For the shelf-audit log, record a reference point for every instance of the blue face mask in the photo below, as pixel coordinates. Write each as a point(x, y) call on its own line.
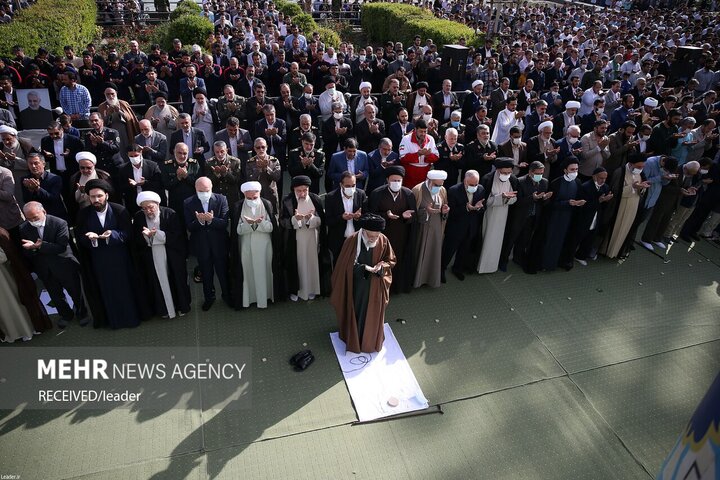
point(455, 124)
point(434, 189)
point(537, 178)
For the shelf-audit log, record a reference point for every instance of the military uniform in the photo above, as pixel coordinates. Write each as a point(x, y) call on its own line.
point(226, 184)
point(179, 189)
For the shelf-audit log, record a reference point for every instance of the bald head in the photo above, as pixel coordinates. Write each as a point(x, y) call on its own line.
point(203, 184)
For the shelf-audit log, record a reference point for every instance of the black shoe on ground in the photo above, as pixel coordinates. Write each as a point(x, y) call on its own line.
point(85, 321)
point(460, 276)
point(207, 304)
point(502, 267)
point(695, 237)
point(442, 277)
point(62, 323)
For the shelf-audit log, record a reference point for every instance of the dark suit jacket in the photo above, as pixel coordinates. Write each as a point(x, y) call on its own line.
point(376, 177)
point(487, 182)
point(108, 152)
point(461, 222)
point(331, 140)
point(315, 170)
point(243, 152)
point(334, 210)
point(526, 187)
point(71, 143)
point(49, 194)
point(157, 142)
point(367, 141)
point(279, 140)
point(396, 134)
point(338, 164)
point(438, 112)
point(198, 140)
point(211, 240)
point(54, 255)
point(153, 183)
point(473, 157)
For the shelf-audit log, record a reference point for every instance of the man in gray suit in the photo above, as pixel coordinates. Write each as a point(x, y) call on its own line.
point(46, 244)
point(155, 146)
point(238, 140)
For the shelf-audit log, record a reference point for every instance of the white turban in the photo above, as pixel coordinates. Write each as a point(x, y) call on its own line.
point(572, 104)
point(86, 156)
point(365, 85)
point(147, 197)
point(476, 83)
point(8, 129)
point(250, 187)
point(545, 124)
point(437, 175)
point(651, 102)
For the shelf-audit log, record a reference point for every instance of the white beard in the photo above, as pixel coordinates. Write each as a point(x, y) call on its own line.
point(114, 102)
point(84, 178)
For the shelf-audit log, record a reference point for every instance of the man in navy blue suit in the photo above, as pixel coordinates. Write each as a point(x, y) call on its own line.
point(463, 224)
point(349, 160)
point(44, 187)
point(206, 217)
point(378, 160)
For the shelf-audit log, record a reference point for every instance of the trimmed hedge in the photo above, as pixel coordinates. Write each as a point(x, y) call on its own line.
point(185, 7)
point(288, 8)
point(399, 22)
point(51, 24)
point(328, 36)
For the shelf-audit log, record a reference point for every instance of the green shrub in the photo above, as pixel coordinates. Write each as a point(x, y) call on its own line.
point(190, 29)
point(288, 8)
point(397, 22)
point(328, 36)
point(51, 24)
point(306, 23)
point(186, 7)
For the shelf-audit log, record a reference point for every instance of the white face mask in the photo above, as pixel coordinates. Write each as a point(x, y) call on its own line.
point(136, 160)
point(337, 115)
point(331, 91)
point(517, 141)
point(426, 117)
point(349, 191)
point(395, 186)
point(504, 177)
point(703, 172)
point(308, 96)
point(637, 171)
point(570, 176)
point(644, 138)
point(38, 223)
point(255, 202)
point(573, 140)
point(204, 196)
point(362, 58)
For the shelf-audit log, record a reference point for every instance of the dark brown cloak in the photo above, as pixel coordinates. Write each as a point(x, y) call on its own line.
point(342, 296)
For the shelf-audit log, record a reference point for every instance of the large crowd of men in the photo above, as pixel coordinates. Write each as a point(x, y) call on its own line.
point(258, 157)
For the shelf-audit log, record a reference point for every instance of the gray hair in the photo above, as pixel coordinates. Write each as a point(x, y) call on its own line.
point(472, 174)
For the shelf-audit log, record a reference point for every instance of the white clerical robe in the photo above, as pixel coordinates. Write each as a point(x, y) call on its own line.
point(157, 243)
point(493, 228)
point(306, 238)
point(256, 254)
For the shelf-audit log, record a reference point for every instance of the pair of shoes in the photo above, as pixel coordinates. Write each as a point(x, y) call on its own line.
point(293, 297)
point(62, 323)
point(311, 296)
point(181, 314)
point(581, 262)
point(207, 304)
point(460, 276)
point(197, 275)
point(85, 321)
point(27, 339)
point(502, 267)
point(647, 245)
point(443, 279)
point(660, 245)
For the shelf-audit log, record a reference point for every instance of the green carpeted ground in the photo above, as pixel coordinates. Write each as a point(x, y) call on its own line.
point(590, 373)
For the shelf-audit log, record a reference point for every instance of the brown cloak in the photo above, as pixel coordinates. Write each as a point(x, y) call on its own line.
point(342, 296)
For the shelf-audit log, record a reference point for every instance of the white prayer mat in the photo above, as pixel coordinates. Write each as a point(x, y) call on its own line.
point(379, 379)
